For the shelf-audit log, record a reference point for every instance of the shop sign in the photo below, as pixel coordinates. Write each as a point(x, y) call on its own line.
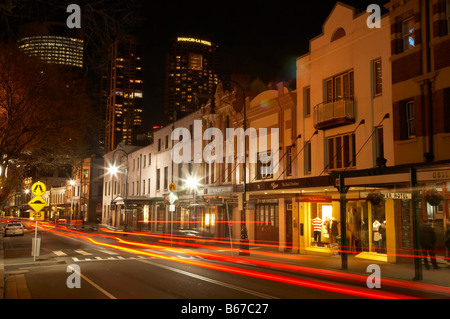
point(287, 184)
point(219, 190)
point(437, 175)
point(397, 195)
point(313, 198)
point(284, 184)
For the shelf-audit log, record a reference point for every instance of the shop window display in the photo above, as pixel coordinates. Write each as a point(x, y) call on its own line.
point(434, 199)
point(366, 227)
point(324, 226)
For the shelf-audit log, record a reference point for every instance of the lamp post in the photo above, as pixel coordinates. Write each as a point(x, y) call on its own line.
point(27, 192)
point(113, 170)
point(244, 247)
point(192, 183)
point(72, 184)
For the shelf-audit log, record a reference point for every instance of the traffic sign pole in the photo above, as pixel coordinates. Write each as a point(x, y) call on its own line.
point(172, 199)
point(35, 242)
point(37, 204)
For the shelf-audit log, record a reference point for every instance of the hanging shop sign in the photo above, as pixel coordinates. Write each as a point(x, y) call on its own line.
point(313, 198)
point(397, 195)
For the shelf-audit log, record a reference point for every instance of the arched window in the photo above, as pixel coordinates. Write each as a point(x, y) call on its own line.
point(339, 33)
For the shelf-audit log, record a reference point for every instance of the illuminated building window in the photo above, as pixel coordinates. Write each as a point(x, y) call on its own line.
point(408, 34)
point(196, 62)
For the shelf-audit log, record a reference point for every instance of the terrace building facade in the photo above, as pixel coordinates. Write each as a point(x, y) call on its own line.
point(337, 177)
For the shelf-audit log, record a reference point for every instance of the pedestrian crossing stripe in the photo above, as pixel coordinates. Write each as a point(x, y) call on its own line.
point(112, 258)
point(59, 253)
point(82, 252)
point(108, 252)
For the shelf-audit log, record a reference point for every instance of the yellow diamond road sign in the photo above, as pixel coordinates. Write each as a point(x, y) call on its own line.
point(37, 203)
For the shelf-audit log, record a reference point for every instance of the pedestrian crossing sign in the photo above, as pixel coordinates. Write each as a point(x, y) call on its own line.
point(38, 189)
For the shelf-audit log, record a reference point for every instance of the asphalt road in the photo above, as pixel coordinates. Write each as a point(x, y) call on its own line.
point(109, 269)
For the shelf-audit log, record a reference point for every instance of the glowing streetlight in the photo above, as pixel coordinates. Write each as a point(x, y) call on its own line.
point(72, 184)
point(192, 182)
point(113, 170)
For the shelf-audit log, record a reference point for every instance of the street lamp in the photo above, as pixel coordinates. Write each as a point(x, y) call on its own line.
point(72, 184)
point(244, 248)
point(192, 182)
point(113, 170)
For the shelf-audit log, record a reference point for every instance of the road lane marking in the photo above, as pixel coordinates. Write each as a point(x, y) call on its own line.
point(110, 296)
point(82, 252)
point(108, 251)
point(59, 253)
point(220, 283)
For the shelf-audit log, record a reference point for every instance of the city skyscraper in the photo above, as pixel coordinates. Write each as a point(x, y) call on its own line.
point(124, 93)
point(191, 75)
point(53, 43)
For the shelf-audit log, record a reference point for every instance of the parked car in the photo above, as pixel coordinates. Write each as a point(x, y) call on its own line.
point(13, 229)
point(61, 221)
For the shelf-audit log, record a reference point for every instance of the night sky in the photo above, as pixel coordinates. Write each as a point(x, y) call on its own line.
point(259, 38)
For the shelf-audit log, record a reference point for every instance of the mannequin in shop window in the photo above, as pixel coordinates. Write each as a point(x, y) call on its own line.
point(382, 231)
point(326, 230)
point(317, 228)
point(364, 236)
point(334, 230)
point(376, 235)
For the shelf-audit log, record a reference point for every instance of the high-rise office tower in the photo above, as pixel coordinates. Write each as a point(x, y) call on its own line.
point(191, 75)
point(53, 43)
point(124, 93)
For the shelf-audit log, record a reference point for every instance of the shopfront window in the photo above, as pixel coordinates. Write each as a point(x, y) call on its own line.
point(366, 227)
point(365, 232)
point(433, 209)
point(324, 226)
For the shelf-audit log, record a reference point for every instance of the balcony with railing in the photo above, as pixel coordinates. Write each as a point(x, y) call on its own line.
point(334, 114)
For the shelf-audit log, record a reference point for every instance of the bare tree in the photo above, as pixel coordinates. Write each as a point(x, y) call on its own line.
point(44, 116)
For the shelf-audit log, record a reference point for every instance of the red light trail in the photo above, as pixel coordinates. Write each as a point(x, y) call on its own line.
point(357, 292)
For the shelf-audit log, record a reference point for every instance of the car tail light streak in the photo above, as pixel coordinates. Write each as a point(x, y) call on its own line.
point(357, 292)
